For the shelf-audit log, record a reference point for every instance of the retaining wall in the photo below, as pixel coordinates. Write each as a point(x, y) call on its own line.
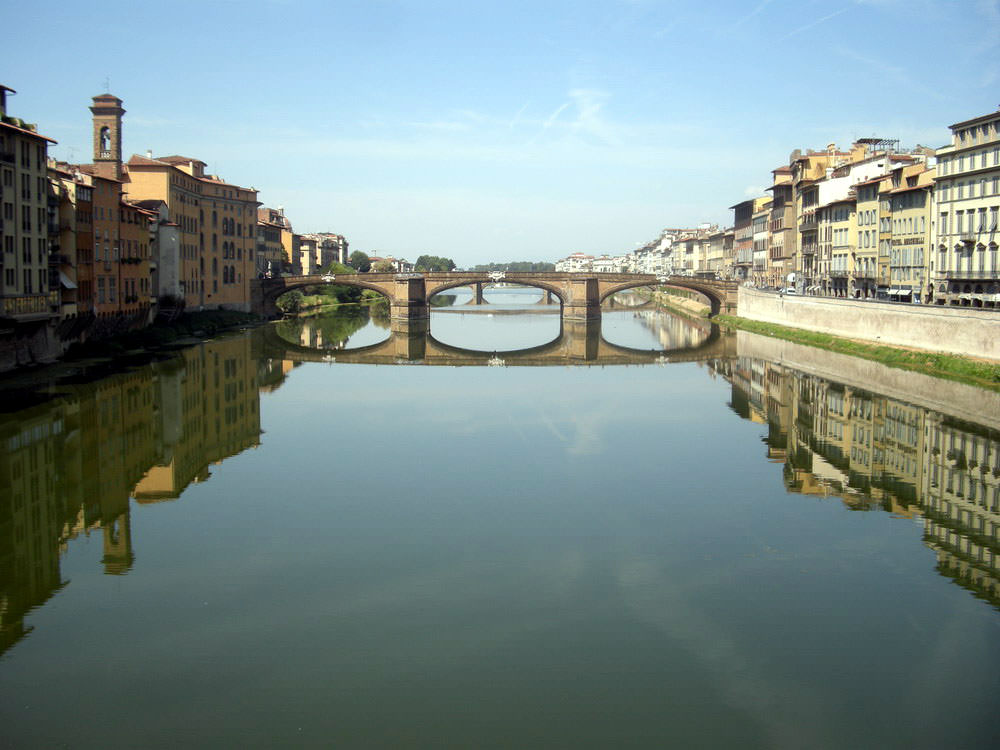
point(952, 330)
point(959, 400)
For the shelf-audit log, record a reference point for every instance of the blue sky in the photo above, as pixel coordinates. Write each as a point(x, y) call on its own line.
point(502, 130)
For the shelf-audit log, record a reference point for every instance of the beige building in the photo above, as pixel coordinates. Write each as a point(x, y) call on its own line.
point(967, 194)
point(761, 234)
point(782, 231)
point(26, 293)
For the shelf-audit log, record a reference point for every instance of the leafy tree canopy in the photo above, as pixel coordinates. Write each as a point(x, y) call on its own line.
point(334, 267)
point(517, 266)
point(433, 263)
point(383, 266)
point(359, 261)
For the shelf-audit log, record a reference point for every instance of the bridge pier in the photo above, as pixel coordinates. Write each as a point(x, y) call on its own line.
point(408, 303)
point(582, 301)
point(477, 294)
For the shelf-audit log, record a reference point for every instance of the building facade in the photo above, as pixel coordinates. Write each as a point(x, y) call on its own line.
point(967, 194)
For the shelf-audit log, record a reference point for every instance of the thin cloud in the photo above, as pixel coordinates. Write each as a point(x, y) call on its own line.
point(756, 11)
point(549, 122)
point(815, 23)
point(517, 117)
point(887, 70)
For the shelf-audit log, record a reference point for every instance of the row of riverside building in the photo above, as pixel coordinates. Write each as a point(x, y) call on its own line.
point(875, 221)
point(92, 249)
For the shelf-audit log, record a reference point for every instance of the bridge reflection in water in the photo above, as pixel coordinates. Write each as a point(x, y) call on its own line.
point(578, 342)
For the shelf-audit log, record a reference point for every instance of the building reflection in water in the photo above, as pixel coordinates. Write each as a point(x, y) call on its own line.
point(69, 467)
point(875, 452)
point(671, 331)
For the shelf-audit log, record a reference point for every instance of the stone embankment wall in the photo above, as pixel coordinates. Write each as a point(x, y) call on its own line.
point(959, 400)
point(952, 330)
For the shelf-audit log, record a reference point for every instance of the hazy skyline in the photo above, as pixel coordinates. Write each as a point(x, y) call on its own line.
point(503, 131)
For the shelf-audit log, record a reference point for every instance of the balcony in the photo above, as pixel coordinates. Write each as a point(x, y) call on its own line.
point(25, 307)
point(839, 273)
point(807, 221)
point(809, 249)
point(7, 157)
point(971, 275)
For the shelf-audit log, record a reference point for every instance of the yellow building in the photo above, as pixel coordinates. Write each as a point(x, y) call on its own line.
point(863, 281)
point(217, 223)
point(910, 222)
point(836, 232)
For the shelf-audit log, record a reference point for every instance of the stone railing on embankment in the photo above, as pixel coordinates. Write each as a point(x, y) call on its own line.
point(951, 330)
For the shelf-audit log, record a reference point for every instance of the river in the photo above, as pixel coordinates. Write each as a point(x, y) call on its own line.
point(503, 533)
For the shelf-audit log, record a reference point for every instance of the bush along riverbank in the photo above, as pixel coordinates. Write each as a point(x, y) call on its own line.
point(983, 373)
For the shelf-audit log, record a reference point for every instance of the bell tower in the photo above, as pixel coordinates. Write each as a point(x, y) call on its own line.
point(107, 111)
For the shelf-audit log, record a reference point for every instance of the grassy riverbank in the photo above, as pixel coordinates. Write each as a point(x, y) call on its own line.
point(978, 372)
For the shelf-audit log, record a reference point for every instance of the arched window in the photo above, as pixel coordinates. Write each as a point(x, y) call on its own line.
point(215, 266)
point(105, 138)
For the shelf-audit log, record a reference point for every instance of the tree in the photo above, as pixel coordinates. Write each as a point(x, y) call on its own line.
point(334, 267)
point(433, 263)
point(290, 302)
point(517, 265)
point(360, 262)
point(383, 266)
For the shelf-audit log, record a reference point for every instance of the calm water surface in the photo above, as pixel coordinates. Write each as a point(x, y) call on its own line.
point(765, 547)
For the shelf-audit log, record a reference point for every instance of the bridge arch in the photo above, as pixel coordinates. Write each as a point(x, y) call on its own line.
point(444, 286)
point(281, 286)
point(715, 300)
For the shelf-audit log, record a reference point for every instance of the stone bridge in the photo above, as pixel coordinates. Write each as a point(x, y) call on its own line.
point(578, 342)
point(580, 294)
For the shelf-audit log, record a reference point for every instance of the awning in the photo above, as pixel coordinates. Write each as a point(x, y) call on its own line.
point(66, 281)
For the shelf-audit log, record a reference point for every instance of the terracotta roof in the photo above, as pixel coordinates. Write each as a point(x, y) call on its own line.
point(24, 131)
point(137, 160)
point(180, 160)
